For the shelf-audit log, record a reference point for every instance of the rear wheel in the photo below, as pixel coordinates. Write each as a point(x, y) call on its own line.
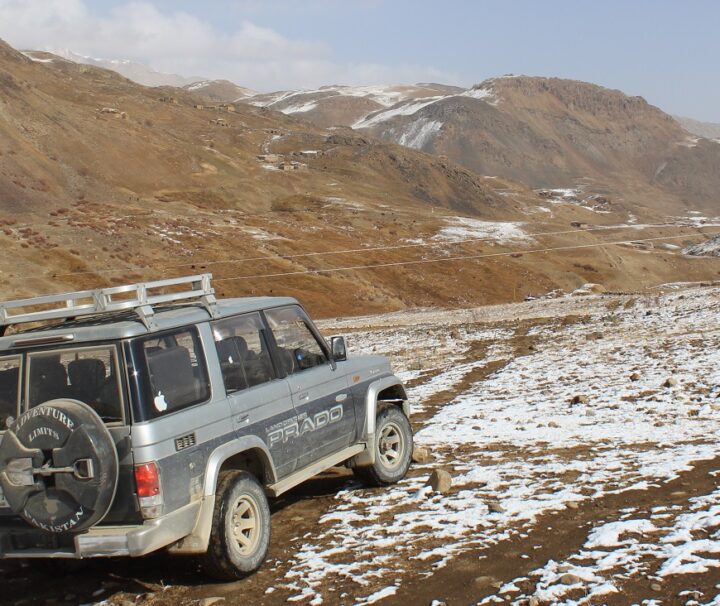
point(240, 533)
point(393, 448)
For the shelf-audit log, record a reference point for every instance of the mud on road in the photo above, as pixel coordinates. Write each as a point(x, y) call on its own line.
point(581, 472)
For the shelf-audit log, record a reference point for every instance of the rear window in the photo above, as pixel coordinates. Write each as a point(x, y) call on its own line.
point(89, 375)
point(177, 375)
point(9, 390)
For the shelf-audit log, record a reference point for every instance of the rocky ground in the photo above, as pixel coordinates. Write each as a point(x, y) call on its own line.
point(580, 434)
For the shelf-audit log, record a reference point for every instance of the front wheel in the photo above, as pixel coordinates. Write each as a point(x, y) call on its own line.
point(393, 448)
point(240, 529)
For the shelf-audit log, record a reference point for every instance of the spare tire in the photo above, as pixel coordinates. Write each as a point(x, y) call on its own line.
point(59, 466)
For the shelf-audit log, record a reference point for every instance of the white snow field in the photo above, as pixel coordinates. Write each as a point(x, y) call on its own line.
point(617, 393)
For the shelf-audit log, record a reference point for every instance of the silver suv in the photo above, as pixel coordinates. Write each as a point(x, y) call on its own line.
point(152, 416)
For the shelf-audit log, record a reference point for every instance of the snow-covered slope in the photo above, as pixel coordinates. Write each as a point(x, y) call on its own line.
point(709, 248)
point(347, 105)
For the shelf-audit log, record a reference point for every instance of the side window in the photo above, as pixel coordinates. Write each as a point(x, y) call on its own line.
point(176, 369)
point(243, 352)
point(88, 375)
point(298, 348)
point(9, 390)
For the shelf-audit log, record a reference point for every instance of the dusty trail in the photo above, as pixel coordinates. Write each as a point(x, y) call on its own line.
point(534, 474)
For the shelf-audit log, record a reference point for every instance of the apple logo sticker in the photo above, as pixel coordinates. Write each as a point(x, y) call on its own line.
point(160, 402)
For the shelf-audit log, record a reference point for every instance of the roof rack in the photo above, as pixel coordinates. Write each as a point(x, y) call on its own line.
point(140, 298)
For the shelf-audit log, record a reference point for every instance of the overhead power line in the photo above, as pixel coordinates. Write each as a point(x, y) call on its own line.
point(367, 249)
point(448, 259)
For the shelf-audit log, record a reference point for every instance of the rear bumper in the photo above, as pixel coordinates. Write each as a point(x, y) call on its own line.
point(102, 541)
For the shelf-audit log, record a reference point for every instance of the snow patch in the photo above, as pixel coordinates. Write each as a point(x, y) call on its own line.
point(420, 133)
point(299, 109)
point(403, 109)
point(464, 228)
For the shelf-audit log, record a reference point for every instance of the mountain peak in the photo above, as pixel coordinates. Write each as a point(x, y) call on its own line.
point(7, 52)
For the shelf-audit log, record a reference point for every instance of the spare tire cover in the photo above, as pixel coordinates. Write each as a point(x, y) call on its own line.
point(59, 466)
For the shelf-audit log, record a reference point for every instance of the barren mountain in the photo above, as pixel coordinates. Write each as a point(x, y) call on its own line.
point(220, 90)
point(104, 181)
point(708, 130)
point(549, 132)
point(137, 72)
point(345, 105)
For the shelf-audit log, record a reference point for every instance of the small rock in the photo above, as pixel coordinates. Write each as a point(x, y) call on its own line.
point(553, 424)
point(210, 601)
point(440, 481)
point(656, 587)
point(570, 579)
point(495, 507)
point(571, 505)
point(578, 399)
point(485, 581)
point(670, 382)
point(421, 456)
point(635, 376)
point(533, 601)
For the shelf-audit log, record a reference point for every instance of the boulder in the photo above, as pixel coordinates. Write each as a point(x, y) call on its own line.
point(421, 456)
point(440, 481)
point(495, 507)
point(570, 579)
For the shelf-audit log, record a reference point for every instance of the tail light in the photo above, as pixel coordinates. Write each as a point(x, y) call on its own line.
point(147, 482)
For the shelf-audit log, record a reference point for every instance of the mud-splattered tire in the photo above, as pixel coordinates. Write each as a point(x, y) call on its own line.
point(393, 449)
point(240, 533)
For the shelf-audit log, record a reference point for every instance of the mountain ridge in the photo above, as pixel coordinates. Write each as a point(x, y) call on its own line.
point(104, 181)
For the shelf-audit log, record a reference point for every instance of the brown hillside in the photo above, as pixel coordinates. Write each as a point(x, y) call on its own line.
point(550, 132)
point(103, 181)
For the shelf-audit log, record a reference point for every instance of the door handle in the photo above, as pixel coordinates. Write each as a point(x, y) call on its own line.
point(304, 397)
point(242, 418)
point(341, 397)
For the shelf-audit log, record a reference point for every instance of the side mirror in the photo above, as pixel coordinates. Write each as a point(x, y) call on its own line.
point(339, 350)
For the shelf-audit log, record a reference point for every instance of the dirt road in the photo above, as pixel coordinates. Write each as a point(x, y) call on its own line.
point(582, 437)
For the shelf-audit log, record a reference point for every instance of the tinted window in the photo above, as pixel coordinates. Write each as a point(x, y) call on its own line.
point(298, 348)
point(242, 351)
point(9, 387)
point(88, 375)
point(176, 372)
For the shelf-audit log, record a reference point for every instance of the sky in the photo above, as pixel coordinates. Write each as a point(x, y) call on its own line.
point(666, 51)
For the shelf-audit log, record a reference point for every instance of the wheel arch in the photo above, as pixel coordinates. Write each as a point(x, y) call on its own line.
point(385, 391)
point(239, 454)
point(389, 390)
point(248, 453)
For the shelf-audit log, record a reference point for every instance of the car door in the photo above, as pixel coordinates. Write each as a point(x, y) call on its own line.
point(260, 401)
point(320, 392)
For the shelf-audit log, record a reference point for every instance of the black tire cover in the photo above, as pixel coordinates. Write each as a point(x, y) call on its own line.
point(55, 435)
